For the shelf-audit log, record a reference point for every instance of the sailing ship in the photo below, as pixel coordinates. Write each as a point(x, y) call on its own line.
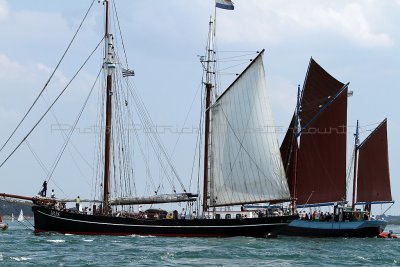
point(245, 167)
point(314, 155)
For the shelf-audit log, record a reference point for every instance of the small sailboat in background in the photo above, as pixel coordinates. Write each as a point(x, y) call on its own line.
point(12, 217)
point(21, 216)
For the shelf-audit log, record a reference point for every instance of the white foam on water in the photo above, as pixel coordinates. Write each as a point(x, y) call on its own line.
point(56, 241)
point(88, 240)
point(21, 258)
point(1, 257)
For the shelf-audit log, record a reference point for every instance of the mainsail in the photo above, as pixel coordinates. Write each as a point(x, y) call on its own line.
point(246, 166)
point(373, 183)
point(321, 171)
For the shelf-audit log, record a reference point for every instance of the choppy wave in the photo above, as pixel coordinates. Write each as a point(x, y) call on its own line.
point(22, 246)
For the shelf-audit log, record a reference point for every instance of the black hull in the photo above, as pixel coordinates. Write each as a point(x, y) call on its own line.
point(51, 220)
point(334, 229)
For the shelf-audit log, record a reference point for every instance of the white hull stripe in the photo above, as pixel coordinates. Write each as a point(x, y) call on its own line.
point(164, 226)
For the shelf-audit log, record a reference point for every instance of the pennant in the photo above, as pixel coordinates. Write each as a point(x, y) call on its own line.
point(224, 4)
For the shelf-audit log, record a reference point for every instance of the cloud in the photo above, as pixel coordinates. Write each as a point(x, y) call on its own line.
point(8, 115)
point(3, 10)
point(276, 22)
point(352, 22)
point(58, 75)
point(10, 70)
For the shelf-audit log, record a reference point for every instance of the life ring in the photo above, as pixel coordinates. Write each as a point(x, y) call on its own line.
point(356, 215)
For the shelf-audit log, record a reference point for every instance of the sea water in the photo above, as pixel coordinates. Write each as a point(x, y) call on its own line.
point(19, 246)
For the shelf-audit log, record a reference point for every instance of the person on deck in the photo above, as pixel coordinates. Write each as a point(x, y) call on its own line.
point(78, 203)
point(53, 195)
point(183, 214)
point(44, 188)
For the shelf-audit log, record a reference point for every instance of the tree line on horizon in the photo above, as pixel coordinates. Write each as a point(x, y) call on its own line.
point(7, 208)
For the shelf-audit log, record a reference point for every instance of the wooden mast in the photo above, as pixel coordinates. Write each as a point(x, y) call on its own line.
point(208, 87)
point(295, 144)
point(356, 142)
point(110, 66)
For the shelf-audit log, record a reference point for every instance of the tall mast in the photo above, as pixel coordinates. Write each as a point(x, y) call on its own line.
point(356, 143)
point(295, 145)
point(208, 87)
point(109, 65)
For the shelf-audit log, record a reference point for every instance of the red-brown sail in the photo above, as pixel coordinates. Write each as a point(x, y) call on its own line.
point(373, 183)
point(321, 171)
point(319, 88)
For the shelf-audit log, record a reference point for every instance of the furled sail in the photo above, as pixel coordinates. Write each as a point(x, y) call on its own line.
point(165, 198)
point(246, 165)
point(373, 183)
point(321, 171)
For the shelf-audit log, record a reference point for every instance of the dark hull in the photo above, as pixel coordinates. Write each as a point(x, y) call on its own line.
point(51, 220)
point(334, 229)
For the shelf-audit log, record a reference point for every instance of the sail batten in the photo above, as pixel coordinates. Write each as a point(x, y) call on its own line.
point(373, 183)
point(246, 166)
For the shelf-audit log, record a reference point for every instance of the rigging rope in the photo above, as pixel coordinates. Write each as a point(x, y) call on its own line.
point(48, 81)
point(120, 33)
point(54, 102)
point(147, 122)
point(68, 137)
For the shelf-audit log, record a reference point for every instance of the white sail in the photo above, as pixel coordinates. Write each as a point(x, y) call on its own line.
point(246, 164)
point(21, 216)
point(12, 217)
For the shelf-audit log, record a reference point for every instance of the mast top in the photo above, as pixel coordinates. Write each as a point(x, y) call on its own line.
point(109, 60)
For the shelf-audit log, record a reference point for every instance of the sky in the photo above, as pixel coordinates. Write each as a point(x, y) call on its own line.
point(355, 41)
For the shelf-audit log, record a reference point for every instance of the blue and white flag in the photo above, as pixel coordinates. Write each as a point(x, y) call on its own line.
point(225, 4)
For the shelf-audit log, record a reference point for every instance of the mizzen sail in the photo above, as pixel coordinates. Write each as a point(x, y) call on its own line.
point(373, 183)
point(246, 165)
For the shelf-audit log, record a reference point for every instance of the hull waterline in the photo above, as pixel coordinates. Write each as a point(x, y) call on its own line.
point(304, 228)
point(51, 220)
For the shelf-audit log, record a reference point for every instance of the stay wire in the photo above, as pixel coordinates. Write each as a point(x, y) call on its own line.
point(54, 102)
point(120, 33)
point(48, 81)
point(68, 137)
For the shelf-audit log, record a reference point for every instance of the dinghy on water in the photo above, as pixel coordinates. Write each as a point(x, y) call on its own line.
point(3, 225)
point(389, 234)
